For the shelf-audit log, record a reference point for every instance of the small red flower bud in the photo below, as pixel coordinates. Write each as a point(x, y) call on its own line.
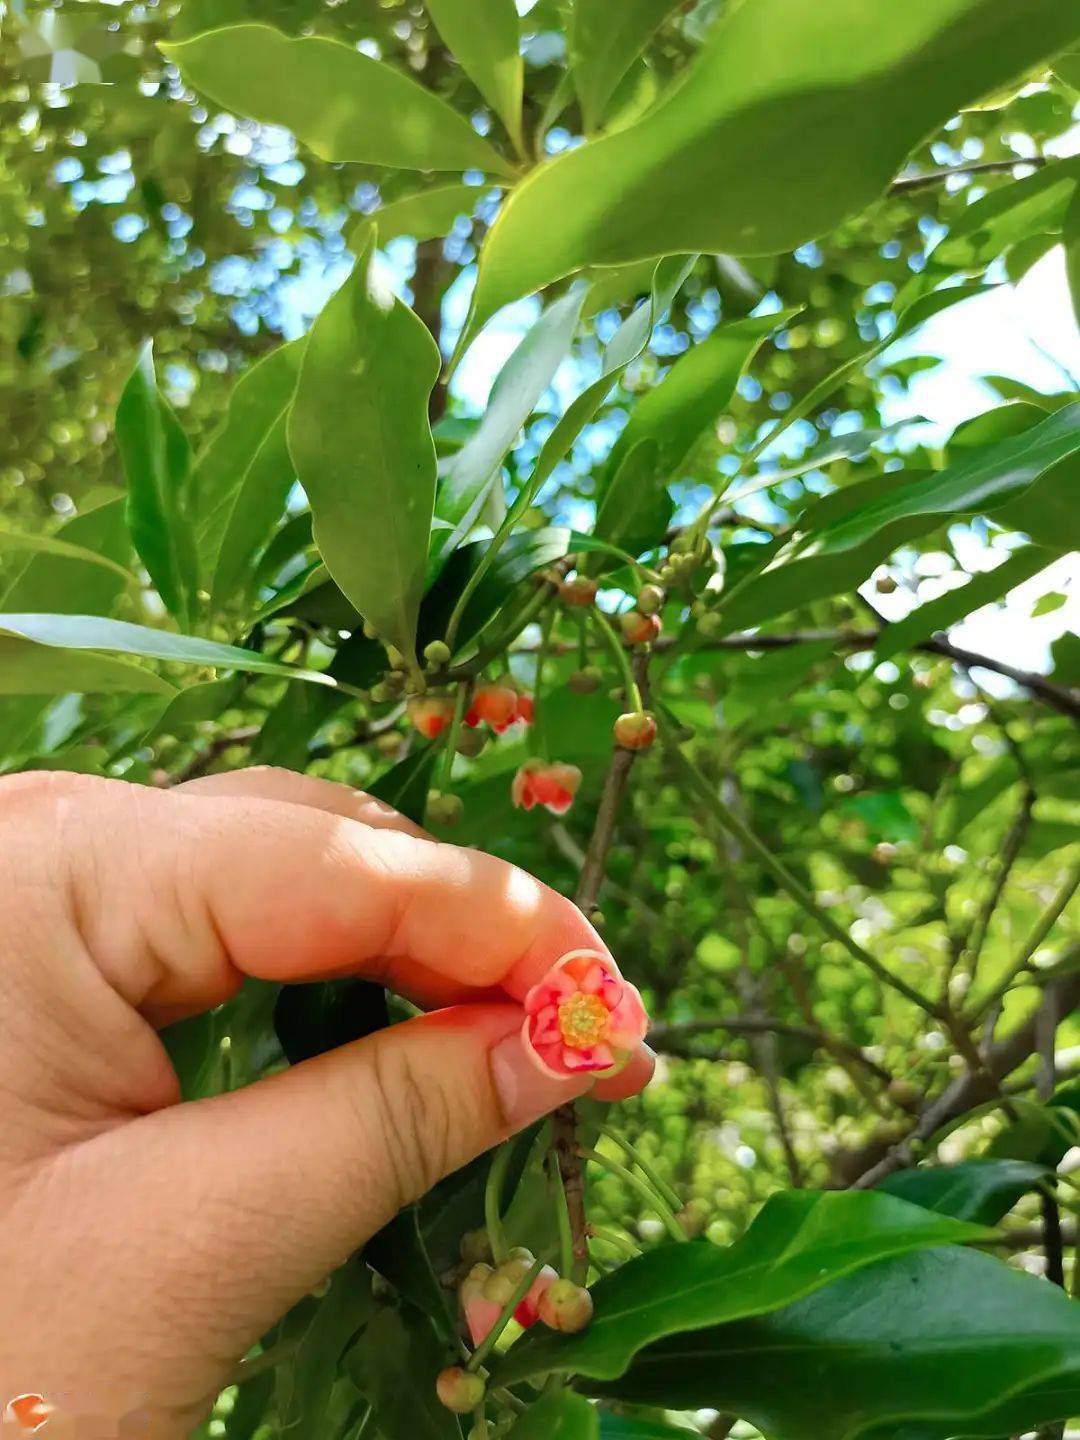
point(552, 786)
point(635, 731)
point(460, 1390)
point(495, 704)
point(566, 1307)
point(639, 629)
point(431, 714)
point(525, 709)
point(579, 591)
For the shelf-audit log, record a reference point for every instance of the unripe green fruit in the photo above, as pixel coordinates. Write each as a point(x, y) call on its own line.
point(444, 809)
point(585, 682)
point(519, 1255)
point(460, 1390)
point(566, 1307)
point(394, 680)
point(370, 633)
point(437, 653)
point(382, 693)
point(650, 599)
point(668, 574)
point(499, 1287)
point(388, 744)
point(710, 624)
point(905, 1093)
point(470, 743)
point(636, 730)
point(597, 919)
point(475, 1248)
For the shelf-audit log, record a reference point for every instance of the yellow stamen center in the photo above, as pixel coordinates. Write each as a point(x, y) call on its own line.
point(583, 1020)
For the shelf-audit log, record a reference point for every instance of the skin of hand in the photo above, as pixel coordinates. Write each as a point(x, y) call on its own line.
point(146, 1243)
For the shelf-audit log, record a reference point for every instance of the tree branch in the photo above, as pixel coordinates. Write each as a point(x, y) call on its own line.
point(907, 183)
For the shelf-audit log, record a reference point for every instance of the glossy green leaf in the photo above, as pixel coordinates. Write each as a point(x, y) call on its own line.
point(63, 549)
point(954, 605)
point(799, 1241)
point(73, 633)
point(630, 1427)
point(764, 145)
point(29, 668)
point(312, 1019)
point(361, 442)
point(1007, 215)
point(604, 41)
point(195, 705)
point(52, 581)
point(559, 1416)
point(784, 578)
point(1071, 238)
point(156, 458)
point(394, 1366)
point(664, 426)
point(428, 215)
point(982, 1191)
point(949, 1337)
point(484, 38)
point(243, 476)
point(405, 785)
point(305, 1384)
point(398, 1253)
point(978, 484)
point(514, 396)
point(337, 101)
point(1067, 67)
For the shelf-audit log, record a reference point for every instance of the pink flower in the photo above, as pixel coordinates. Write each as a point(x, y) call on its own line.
point(479, 1313)
point(583, 1016)
point(497, 704)
point(552, 786)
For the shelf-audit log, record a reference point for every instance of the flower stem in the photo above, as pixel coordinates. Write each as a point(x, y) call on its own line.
point(562, 1216)
point(493, 1203)
point(643, 1188)
point(484, 1349)
point(660, 1185)
point(461, 705)
point(633, 694)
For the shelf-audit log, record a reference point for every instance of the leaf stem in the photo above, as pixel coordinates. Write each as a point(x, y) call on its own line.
point(525, 1284)
point(657, 1181)
point(643, 1188)
point(562, 1216)
point(630, 685)
point(1045, 924)
point(493, 1191)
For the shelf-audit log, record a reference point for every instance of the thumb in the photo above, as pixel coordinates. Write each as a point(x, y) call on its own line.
point(259, 1194)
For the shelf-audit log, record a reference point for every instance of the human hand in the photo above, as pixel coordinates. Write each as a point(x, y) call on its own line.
point(146, 1244)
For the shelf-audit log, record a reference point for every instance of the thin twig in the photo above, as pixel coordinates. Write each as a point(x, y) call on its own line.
point(907, 183)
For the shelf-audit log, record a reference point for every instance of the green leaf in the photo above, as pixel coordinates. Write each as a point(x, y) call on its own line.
point(667, 421)
point(399, 1255)
point(195, 705)
point(428, 215)
point(983, 589)
point(305, 1385)
point(28, 668)
point(559, 1416)
point(982, 1191)
point(1048, 603)
point(764, 143)
point(65, 583)
point(1067, 67)
point(799, 1241)
point(64, 549)
point(405, 785)
point(630, 1427)
point(1071, 237)
point(514, 396)
point(90, 632)
point(156, 458)
point(485, 39)
point(243, 476)
point(340, 103)
point(948, 1336)
point(604, 41)
point(361, 442)
point(395, 1365)
point(978, 484)
point(1008, 215)
point(311, 1019)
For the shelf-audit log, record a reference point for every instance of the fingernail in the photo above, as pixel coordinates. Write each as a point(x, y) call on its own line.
point(525, 1094)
